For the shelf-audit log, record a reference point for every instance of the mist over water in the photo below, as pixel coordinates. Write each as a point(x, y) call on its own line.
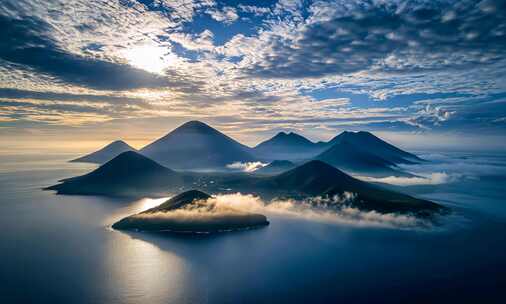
point(329, 210)
point(63, 249)
point(247, 166)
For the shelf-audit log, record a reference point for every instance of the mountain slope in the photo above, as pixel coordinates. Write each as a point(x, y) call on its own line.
point(291, 146)
point(348, 157)
point(128, 174)
point(364, 153)
point(376, 146)
point(106, 153)
point(195, 145)
point(316, 178)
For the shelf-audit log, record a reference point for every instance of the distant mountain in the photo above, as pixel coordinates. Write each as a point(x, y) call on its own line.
point(291, 146)
point(195, 145)
point(106, 153)
point(190, 212)
point(364, 153)
point(380, 148)
point(275, 167)
point(128, 174)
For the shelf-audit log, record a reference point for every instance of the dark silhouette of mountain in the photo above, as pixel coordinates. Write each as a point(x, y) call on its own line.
point(190, 212)
point(316, 178)
point(374, 145)
point(313, 178)
point(319, 178)
point(275, 167)
point(364, 153)
point(291, 146)
point(128, 174)
point(348, 157)
point(106, 153)
point(195, 145)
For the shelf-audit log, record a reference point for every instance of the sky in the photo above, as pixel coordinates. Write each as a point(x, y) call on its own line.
point(419, 73)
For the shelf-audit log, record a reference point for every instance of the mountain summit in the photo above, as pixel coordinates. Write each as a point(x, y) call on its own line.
point(195, 145)
point(106, 153)
point(290, 146)
point(377, 146)
point(364, 153)
point(128, 174)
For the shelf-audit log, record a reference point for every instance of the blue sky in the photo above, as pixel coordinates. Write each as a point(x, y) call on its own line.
point(135, 69)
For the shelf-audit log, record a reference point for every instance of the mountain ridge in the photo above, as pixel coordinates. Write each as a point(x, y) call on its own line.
point(106, 153)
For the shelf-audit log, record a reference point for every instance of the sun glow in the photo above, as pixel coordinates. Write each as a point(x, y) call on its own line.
point(151, 58)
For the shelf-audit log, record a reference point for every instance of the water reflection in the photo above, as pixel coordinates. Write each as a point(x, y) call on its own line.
point(142, 273)
point(134, 207)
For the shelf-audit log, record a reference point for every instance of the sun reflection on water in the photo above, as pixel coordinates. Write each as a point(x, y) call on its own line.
point(135, 207)
point(141, 272)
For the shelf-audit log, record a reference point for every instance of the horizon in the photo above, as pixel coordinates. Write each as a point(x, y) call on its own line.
point(402, 140)
point(424, 74)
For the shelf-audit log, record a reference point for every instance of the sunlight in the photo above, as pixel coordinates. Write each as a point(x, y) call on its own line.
point(151, 58)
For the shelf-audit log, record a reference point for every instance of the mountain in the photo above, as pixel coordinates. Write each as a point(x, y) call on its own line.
point(191, 212)
point(195, 145)
point(275, 167)
point(364, 153)
point(348, 157)
point(375, 145)
point(106, 153)
point(291, 146)
point(128, 174)
point(317, 178)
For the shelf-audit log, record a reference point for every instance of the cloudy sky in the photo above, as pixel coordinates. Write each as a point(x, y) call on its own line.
point(97, 70)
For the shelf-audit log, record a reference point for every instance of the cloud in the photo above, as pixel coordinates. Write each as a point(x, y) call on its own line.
point(429, 179)
point(247, 166)
point(400, 36)
point(22, 42)
point(227, 14)
point(259, 65)
point(334, 210)
point(256, 10)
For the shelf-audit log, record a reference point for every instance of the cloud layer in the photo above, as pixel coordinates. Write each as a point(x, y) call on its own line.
point(313, 66)
point(335, 210)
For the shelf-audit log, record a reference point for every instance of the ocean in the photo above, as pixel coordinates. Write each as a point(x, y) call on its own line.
point(61, 249)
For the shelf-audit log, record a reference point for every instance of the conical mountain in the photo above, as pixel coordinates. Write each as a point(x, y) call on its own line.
point(106, 153)
point(374, 145)
point(290, 146)
point(316, 178)
point(128, 174)
point(195, 145)
point(364, 153)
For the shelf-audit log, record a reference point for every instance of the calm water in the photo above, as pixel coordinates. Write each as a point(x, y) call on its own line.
point(59, 249)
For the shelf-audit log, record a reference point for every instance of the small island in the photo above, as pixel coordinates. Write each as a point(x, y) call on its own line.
point(191, 212)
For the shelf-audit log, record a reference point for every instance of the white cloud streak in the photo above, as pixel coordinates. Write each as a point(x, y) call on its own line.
point(333, 210)
point(247, 166)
